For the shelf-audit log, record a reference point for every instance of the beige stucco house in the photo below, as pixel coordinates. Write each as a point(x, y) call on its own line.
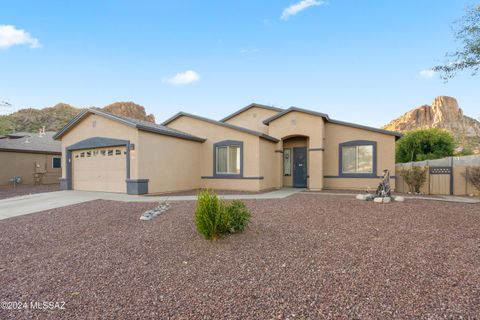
point(33, 157)
point(256, 148)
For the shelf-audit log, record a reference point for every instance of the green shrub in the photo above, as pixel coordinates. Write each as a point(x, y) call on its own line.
point(214, 218)
point(414, 177)
point(425, 144)
point(211, 217)
point(239, 216)
point(464, 152)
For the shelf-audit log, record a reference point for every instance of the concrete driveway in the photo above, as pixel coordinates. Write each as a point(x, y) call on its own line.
point(16, 206)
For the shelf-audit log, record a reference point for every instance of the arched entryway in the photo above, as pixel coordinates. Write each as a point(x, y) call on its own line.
point(295, 161)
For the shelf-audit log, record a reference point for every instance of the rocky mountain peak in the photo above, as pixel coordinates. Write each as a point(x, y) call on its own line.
point(444, 113)
point(129, 109)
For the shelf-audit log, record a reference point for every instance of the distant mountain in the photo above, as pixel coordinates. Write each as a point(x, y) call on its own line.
point(54, 118)
point(129, 109)
point(444, 113)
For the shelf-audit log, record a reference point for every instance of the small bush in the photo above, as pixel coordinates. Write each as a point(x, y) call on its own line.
point(472, 175)
point(239, 216)
point(214, 218)
point(211, 217)
point(414, 177)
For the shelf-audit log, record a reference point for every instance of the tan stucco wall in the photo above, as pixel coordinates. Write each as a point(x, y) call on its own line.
point(103, 128)
point(170, 164)
point(215, 133)
point(290, 144)
point(253, 119)
point(269, 165)
point(23, 165)
point(336, 134)
point(296, 123)
point(354, 184)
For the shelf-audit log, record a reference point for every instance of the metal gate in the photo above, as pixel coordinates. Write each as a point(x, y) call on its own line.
point(441, 180)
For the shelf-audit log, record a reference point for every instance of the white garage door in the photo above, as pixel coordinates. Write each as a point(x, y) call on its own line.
point(102, 169)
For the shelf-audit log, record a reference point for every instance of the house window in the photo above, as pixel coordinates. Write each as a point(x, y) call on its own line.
point(358, 158)
point(287, 162)
point(228, 157)
point(118, 152)
point(56, 162)
point(110, 152)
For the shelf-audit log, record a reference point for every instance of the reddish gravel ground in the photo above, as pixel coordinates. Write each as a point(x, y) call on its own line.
point(306, 257)
point(21, 190)
point(195, 192)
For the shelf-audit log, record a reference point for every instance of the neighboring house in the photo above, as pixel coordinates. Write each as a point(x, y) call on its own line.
point(256, 148)
point(35, 157)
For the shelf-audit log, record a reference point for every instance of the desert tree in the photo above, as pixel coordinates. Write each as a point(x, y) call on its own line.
point(467, 57)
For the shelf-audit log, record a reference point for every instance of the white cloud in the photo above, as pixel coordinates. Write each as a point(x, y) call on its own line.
point(299, 6)
point(183, 78)
point(427, 73)
point(11, 36)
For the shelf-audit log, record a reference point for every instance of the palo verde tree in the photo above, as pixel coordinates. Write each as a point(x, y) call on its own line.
point(425, 144)
point(467, 31)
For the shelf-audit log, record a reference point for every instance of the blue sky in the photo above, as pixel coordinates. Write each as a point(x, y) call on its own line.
point(357, 60)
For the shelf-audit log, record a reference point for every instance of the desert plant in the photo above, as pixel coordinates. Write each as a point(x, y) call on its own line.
point(414, 177)
point(464, 152)
point(472, 175)
point(211, 217)
point(424, 144)
point(238, 215)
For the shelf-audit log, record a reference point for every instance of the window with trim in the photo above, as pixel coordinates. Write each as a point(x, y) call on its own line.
point(358, 158)
point(287, 162)
point(56, 162)
point(228, 159)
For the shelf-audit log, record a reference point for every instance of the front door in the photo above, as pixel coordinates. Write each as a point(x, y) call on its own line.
point(300, 167)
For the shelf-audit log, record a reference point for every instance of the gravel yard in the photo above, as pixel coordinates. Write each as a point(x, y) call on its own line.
point(21, 190)
point(306, 257)
point(195, 192)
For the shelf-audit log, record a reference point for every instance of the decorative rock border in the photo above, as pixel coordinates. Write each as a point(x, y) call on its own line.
point(371, 197)
point(161, 208)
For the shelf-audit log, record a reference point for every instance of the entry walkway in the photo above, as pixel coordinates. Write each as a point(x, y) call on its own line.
point(17, 206)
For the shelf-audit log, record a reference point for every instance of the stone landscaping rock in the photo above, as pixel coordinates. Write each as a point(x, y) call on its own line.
point(364, 196)
point(150, 214)
point(378, 200)
point(361, 197)
point(386, 200)
point(399, 198)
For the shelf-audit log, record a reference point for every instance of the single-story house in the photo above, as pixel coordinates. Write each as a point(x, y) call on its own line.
point(256, 148)
point(34, 157)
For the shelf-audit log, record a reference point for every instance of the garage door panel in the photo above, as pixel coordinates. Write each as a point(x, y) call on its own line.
point(101, 171)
